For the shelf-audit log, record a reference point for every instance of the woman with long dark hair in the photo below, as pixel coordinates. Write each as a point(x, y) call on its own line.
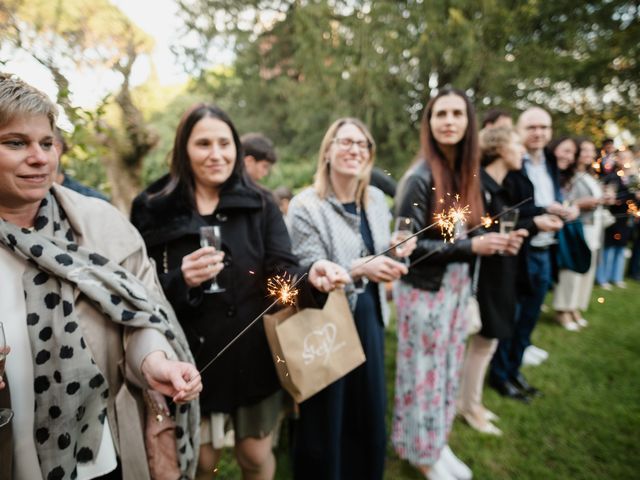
point(206, 186)
point(432, 297)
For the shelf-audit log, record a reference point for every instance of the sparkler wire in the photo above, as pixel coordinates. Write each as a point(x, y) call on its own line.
point(244, 330)
point(481, 224)
point(428, 227)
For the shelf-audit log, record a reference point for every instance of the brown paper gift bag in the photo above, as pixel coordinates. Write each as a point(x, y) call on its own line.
point(314, 347)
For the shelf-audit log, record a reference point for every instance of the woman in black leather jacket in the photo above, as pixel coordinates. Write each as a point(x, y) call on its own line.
point(431, 299)
point(207, 186)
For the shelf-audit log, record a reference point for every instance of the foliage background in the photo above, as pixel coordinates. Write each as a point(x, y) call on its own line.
point(300, 64)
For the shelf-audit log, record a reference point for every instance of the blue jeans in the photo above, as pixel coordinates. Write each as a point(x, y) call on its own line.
point(506, 362)
point(634, 263)
point(611, 265)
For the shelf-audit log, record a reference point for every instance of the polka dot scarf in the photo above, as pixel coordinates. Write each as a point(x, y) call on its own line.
point(70, 391)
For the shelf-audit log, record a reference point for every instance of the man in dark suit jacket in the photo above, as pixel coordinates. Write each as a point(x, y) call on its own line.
point(538, 178)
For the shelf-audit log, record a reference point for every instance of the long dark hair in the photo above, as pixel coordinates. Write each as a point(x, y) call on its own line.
point(565, 175)
point(181, 174)
point(463, 177)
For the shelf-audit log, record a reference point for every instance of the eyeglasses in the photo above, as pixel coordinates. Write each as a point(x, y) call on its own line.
point(346, 143)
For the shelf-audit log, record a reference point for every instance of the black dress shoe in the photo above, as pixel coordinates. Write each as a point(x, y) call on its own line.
point(509, 390)
point(521, 383)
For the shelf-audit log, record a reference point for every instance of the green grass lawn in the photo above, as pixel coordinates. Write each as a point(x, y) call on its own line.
point(587, 424)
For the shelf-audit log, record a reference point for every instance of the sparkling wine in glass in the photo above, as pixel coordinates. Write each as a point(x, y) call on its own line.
point(508, 222)
point(5, 413)
point(403, 229)
point(210, 237)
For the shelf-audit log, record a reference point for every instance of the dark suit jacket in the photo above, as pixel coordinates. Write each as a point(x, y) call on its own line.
point(520, 188)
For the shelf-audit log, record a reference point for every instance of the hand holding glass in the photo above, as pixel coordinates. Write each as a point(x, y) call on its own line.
point(403, 230)
point(5, 413)
point(508, 222)
point(210, 237)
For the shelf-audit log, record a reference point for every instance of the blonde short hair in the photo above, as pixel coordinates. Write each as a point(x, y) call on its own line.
point(19, 99)
point(492, 140)
point(322, 182)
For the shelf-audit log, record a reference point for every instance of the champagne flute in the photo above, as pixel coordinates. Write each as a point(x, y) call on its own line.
point(402, 230)
point(508, 222)
point(5, 413)
point(210, 237)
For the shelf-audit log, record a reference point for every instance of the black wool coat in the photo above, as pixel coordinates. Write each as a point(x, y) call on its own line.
point(496, 292)
point(256, 246)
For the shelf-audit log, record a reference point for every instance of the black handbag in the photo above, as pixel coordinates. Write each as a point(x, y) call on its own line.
point(573, 253)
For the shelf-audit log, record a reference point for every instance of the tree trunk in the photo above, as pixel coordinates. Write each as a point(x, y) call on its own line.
point(124, 179)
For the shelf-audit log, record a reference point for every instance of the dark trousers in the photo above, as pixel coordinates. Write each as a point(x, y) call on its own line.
point(340, 434)
point(507, 359)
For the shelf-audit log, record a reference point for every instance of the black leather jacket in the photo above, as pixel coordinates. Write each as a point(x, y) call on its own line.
point(415, 199)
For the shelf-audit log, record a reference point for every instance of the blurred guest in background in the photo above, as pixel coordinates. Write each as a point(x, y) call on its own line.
point(538, 178)
point(573, 291)
point(502, 152)
point(259, 155)
point(496, 117)
point(67, 180)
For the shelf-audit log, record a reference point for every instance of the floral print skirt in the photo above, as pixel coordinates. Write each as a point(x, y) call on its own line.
point(431, 339)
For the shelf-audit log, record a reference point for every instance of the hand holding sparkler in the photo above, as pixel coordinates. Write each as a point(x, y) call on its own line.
point(486, 222)
point(285, 292)
point(326, 276)
point(565, 212)
point(179, 380)
point(490, 243)
point(547, 222)
point(516, 238)
point(377, 268)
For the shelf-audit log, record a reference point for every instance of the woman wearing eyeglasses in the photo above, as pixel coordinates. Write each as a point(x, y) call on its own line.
point(341, 432)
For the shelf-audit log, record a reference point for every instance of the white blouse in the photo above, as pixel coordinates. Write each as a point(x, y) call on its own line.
point(19, 373)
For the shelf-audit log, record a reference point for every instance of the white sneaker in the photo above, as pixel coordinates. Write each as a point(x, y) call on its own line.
point(529, 358)
point(538, 352)
point(439, 471)
point(454, 465)
point(571, 326)
point(489, 416)
point(606, 286)
point(582, 322)
point(621, 284)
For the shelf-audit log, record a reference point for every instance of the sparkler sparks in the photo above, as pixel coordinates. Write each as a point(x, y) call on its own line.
point(451, 221)
point(468, 231)
point(487, 221)
point(281, 288)
point(292, 294)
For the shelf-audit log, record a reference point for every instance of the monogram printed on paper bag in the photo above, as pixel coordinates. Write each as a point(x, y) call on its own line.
point(320, 343)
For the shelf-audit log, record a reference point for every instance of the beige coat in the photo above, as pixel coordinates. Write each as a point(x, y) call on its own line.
point(102, 228)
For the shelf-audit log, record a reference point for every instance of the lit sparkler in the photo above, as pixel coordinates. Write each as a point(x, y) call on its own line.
point(291, 288)
point(480, 225)
point(487, 221)
point(281, 288)
point(451, 221)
